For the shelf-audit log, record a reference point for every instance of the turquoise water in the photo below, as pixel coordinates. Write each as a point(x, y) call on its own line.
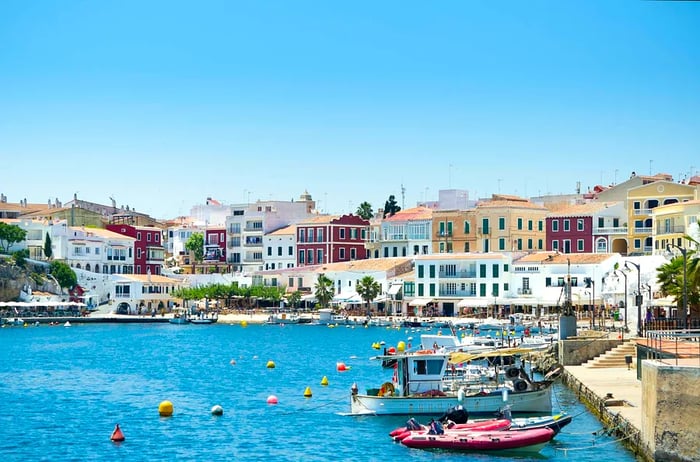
point(62, 390)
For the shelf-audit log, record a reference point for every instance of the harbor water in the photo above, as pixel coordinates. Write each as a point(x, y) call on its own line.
point(63, 390)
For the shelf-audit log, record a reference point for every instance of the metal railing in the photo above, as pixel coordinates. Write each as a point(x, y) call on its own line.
point(611, 230)
point(672, 346)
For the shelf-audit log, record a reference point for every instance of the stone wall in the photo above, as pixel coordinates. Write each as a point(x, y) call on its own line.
point(577, 351)
point(671, 405)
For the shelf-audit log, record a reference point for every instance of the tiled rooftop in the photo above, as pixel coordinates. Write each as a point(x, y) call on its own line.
point(582, 209)
point(556, 258)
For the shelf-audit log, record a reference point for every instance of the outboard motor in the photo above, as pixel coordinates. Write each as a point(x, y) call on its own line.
point(456, 414)
point(412, 424)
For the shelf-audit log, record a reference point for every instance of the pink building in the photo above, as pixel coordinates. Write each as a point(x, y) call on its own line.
point(331, 239)
point(149, 253)
point(584, 228)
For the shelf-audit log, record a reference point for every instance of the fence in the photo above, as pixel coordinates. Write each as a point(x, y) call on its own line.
point(672, 346)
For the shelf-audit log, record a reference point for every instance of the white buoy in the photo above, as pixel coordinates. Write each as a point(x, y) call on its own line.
point(217, 410)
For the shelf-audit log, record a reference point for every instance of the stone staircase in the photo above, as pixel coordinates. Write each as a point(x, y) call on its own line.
point(615, 357)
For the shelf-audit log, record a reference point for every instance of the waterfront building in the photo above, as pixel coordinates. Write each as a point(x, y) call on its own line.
point(586, 228)
point(280, 248)
point(331, 239)
point(248, 223)
point(15, 210)
point(143, 293)
point(452, 231)
point(673, 221)
point(211, 213)
point(111, 213)
point(641, 201)
point(176, 238)
point(36, 235)
point(407, 233)
point(93, 249)
point(215, 244)
point(149, 253)
point(74, 215)
point(508, 223)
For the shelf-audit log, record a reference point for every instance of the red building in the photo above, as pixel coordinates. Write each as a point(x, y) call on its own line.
point(331, 239)
point(215, 244)
point(149, 253)
point(585, 228)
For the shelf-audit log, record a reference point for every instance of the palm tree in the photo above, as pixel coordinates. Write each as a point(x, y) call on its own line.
point(368, 289)
point(670, 279)
point(294, 298)
point(324, 290)
point(365, 210)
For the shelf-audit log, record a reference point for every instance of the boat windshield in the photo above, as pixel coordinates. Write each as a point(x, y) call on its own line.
point(428, 366)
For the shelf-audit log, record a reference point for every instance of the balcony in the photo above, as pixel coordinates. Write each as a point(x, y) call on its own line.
point(455, 293)
point(642, 212)
point(527, 291)
point(611, 230)
point(457, 275)
point(643, 230)
point(679, 229)
point(443, 233)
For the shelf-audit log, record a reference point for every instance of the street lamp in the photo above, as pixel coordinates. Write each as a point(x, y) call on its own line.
point(625, 303)
point(685, 281)
point(639, 296)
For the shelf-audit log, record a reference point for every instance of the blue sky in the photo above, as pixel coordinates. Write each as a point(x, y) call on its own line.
point(163, 103)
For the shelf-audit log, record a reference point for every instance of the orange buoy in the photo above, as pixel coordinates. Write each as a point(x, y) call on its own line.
point(117, 435)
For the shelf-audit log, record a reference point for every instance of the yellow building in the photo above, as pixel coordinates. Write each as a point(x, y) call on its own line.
point(671, 223)
point(451, 231)
point(508, 223)
point(641, 202)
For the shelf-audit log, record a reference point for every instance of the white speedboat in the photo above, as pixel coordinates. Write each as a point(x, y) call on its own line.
point(419, 387)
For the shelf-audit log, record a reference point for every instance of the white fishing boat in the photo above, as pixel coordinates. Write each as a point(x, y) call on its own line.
point(283, 318)
point(419, 387)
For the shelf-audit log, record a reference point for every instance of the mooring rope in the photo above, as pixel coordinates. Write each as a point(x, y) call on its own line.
point(565, 450)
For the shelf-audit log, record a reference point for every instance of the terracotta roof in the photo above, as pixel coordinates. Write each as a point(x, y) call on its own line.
point(372, 264)
point(582, 209)
point(508, 201)
point(14, 207)
point(461, 256)
point(156, 278)
point(556, 258)
point(319, 219)
point(101, 232)
point(415, 213)
point(287, 230)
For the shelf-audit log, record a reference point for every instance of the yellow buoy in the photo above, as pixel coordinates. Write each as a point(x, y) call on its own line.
point(401, 346)
point(270, 364)
point(307, 392)
point(165, 409)
point(244, 323)
point(324, 381)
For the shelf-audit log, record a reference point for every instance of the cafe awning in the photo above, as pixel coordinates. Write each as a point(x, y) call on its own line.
point(420, 301)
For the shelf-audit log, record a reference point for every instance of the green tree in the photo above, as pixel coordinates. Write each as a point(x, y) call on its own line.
point(9, 235)
point(20, 257)
point(195, 244)
point(671, 283)
point(48, 251)
point(368, 289)
point(294, 299)
point(324, 290)
point(64, 274)
point(365, 210)
point(391, 207)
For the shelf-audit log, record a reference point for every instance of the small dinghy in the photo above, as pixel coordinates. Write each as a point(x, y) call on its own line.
point(531, 441)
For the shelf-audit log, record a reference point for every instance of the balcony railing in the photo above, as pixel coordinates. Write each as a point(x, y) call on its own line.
point(443, 233)
point(456, 293)
point(611, 230)
point(680, 229)
point(643, 230)
point(642, 212)
point(457, 274)
point(527, 291)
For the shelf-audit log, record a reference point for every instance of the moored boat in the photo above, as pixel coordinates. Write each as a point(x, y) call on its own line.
point(506, 440)
point(418, 387)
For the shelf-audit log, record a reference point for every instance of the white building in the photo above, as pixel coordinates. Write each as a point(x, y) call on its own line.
point(93, 249)
point(143, 293)
point(280, 248)
point(407, 233)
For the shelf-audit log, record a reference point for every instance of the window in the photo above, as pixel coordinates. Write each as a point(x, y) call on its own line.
point(567, 224)
point(442, 247)
point(485, 225)
point(449, 228)
point(319, 235)
point(529, 244)
point(482, 271)
point(353, 254)
point(341, 233)
point(494, 290)
point(466, 227)
point(548, 282)
point(353, 234)
point(319, 255)
point(555, 226)
point(421, 271)
point(302, 235)
point(431, 290)
point(501, 223)
point(310, 257)
point(269, 251)
point(291, 282)
point(495, 270)
point(555, 245)
point(486, 245)
point(482, 290)
point(637, 243)
point(505, 267)
point(302, 254)
point(420, 290)
point(539, 244)
point(579, 224)
point(279, 251)
point(501, 243)
point(311, 234)
point(520, 244)
point(505, 287)
point(148, 237)
point(529, 225)
point(520, 223)
point(579, 245)
point(138, 236)
point(466, 247)
point(341, 254)
point(432, 271)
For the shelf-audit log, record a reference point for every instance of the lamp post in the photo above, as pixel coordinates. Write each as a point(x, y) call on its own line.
point(685, 281)
point(639, 296)
point(625, 304)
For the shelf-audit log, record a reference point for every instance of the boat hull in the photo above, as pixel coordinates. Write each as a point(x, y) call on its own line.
point(524, 440)
point(532, 402)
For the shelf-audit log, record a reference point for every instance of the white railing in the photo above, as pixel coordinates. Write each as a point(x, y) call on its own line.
point(611, 230)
